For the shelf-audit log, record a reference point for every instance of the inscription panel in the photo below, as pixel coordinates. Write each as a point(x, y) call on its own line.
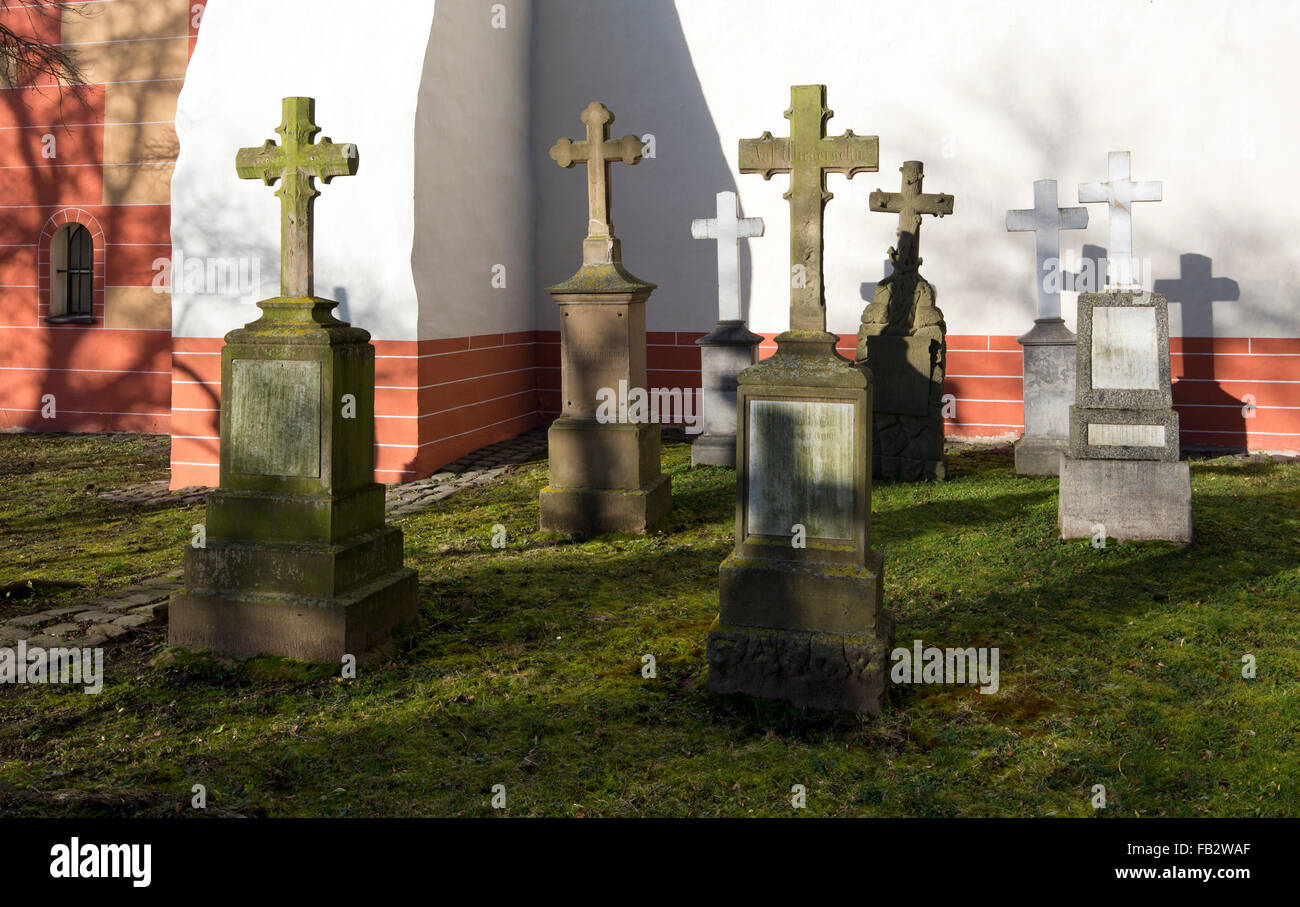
point(274, 423)
point(1125, 348)
point(801, 457)
point(1107, 434)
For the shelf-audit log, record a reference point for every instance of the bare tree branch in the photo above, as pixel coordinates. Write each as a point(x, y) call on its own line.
point(25, 56)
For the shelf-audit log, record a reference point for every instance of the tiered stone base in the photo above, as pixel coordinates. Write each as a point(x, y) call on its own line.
point(1129, 499)
point(604, 477)
point(907, 447)
point(305, 601)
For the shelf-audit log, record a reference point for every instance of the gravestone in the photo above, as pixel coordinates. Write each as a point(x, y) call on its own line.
point(902, 340)
point(1121, 477)
point(801, 605)
point(730, 346)
point(1049, 347)
point(604, 472)
point(298, 560)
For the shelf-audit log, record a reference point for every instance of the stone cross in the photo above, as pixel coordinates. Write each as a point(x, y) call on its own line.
point(728, 228)
point(1120, 191)
point(600, 246)
point(296, 163)
point(808, 155)
point(909, 205)
point(1047, 221)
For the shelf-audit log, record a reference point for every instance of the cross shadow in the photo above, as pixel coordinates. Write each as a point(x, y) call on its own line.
point(1205, 407)
point(1091, 276)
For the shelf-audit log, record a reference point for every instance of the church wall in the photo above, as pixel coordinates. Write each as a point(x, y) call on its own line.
point(989, 96)
point(100, 156)
point(364, 223)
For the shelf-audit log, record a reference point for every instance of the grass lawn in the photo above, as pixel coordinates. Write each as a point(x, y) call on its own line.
point(1119, 666)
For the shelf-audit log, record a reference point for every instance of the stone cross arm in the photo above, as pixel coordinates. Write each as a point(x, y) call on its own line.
point(296, 162)
point(597, 151)
point(808, 155)
point(728, 228)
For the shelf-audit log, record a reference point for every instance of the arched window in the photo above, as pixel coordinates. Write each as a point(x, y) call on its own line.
point(72, 274)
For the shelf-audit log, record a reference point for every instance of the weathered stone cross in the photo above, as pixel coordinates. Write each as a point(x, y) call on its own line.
point(909, 205)
point(296, 162)
point(1120, 191)
point(1047, 221)
point(728, 228)
point(600, 246)
point(808, 155)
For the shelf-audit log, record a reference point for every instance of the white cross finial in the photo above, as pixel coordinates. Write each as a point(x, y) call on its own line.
point(1120, 192)
point(1047, 221)
point(728, 228)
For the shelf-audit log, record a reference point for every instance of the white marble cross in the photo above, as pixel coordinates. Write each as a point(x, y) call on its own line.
point(1120, 191)
point(1047, 221)
point(728, 228)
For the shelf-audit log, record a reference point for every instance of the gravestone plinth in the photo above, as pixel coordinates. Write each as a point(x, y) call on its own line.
point(1048, 350)
point(1122, 471)
point(604, 472)
point(902, 340)
point(725, 351)
point(801, 602)
point(801, 606)
point(297, 560)
point(1048, 353)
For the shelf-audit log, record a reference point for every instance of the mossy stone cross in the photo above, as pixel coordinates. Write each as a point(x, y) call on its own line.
point(808, 155)
point(296, 162)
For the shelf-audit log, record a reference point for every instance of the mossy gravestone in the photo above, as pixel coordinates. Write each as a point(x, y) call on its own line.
point(1121, 478)
point(297, 559)
point(903, 340)
point(801, 608)
point(604, 465)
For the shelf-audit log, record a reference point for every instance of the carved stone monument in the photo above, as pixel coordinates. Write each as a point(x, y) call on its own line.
point(730, 346)
point(801, 607)
point(604, 474)
point(1049, 347)
point(1122, 478)
point(298, 561)
point(902, 341)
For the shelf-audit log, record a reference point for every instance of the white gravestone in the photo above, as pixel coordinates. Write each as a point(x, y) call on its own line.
point(1049, 347)
point(730, 346)
point(1122, 475)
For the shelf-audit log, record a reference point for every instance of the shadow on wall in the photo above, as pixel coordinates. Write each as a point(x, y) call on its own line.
point(643, 72)
point(1205, 407)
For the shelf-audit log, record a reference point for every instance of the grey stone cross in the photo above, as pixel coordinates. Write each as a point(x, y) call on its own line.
point(1047, 221)
point(1120, 192)
point(728, 228)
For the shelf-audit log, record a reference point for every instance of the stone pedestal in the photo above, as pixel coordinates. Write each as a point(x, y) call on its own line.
point(1048, 391)
point(298, 560)
point(604, 472)
point(1122, 470)
point(802, 615)
point(1128, 499)
point(724, 352)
